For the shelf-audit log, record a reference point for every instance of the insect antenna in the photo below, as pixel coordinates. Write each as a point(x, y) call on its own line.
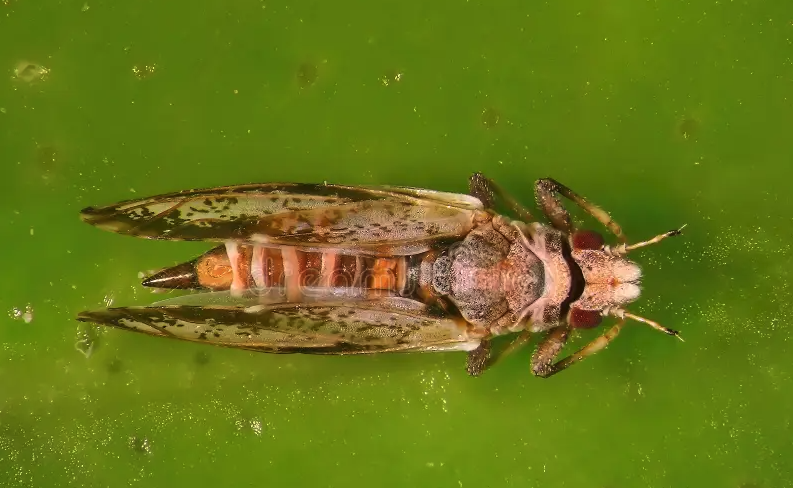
point(655, 325)
point(655, 239)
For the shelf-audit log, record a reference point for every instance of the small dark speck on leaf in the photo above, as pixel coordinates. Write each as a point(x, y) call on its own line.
point(307, 74)
point(688, 128)
point(115, 366)
point(202, 358)
point(140, 444)
point(490, 117)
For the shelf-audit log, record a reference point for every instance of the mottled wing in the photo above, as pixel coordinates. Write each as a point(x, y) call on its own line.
point(341, 326)
point(396, 220)
point(460, 200)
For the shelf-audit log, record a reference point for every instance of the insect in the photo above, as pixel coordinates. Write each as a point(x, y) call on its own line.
point(332, 269)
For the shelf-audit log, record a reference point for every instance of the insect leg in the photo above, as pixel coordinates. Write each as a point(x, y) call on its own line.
point(541, 362)
point(513, 346)
point(486, 190)
point(547, 350)
point(545, 191)
point(516, 344)
point(479, 359)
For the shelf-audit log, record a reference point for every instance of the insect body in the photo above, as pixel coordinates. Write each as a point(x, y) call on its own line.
point(330, 269)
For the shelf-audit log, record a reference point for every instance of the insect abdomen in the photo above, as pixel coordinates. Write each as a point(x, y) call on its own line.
point(239, 267)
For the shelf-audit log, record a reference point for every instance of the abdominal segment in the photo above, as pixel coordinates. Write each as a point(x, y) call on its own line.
point(240, 267)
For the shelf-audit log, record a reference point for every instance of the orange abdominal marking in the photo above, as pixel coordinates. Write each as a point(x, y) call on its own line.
point(384, 274)
point(239, 267)
point(347, 270)
point(310, 265)
point(273, 268)
point(244, 278)
point(214, 271)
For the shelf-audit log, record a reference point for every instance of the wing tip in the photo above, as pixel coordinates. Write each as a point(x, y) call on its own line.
point(88, 214)
point(107, 317)
point(102, 317)
point(125, 318)
point(105, 218)
point(93, 215)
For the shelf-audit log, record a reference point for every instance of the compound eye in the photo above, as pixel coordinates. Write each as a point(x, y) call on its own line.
point(584, 319)
point(587, 239)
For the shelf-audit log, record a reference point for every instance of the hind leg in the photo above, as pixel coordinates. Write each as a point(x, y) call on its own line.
point(478, 360)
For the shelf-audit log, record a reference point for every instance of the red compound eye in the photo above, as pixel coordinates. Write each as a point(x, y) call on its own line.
point(587, 239)
point(584, 319)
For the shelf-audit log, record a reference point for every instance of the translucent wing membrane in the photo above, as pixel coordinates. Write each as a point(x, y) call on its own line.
point(392, 220)
point(341, 220)
point(327, 322)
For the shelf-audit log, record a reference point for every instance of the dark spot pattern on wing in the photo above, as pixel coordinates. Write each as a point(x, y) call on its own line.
point(317, 216)
point(331, 328)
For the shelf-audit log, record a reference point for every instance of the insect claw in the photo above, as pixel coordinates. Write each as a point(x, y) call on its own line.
point(673, 332)
point(676, 232)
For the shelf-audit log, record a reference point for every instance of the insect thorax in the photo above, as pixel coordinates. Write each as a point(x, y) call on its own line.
point(492, 277)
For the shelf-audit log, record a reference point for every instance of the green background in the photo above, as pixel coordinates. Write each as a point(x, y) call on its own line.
point(662, 112)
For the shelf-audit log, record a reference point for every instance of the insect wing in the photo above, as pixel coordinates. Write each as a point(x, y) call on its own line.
point(388, 220)
point(460, 200)
point(318, 326)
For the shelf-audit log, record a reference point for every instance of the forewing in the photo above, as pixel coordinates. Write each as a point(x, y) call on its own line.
point(344, 326)
point(460, 200)
point(396, 220)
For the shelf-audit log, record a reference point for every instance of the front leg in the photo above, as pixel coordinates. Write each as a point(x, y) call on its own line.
point(545, 191)
point(487, 191)
point(483, 358)
point(479, 359)
point(542, 362)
